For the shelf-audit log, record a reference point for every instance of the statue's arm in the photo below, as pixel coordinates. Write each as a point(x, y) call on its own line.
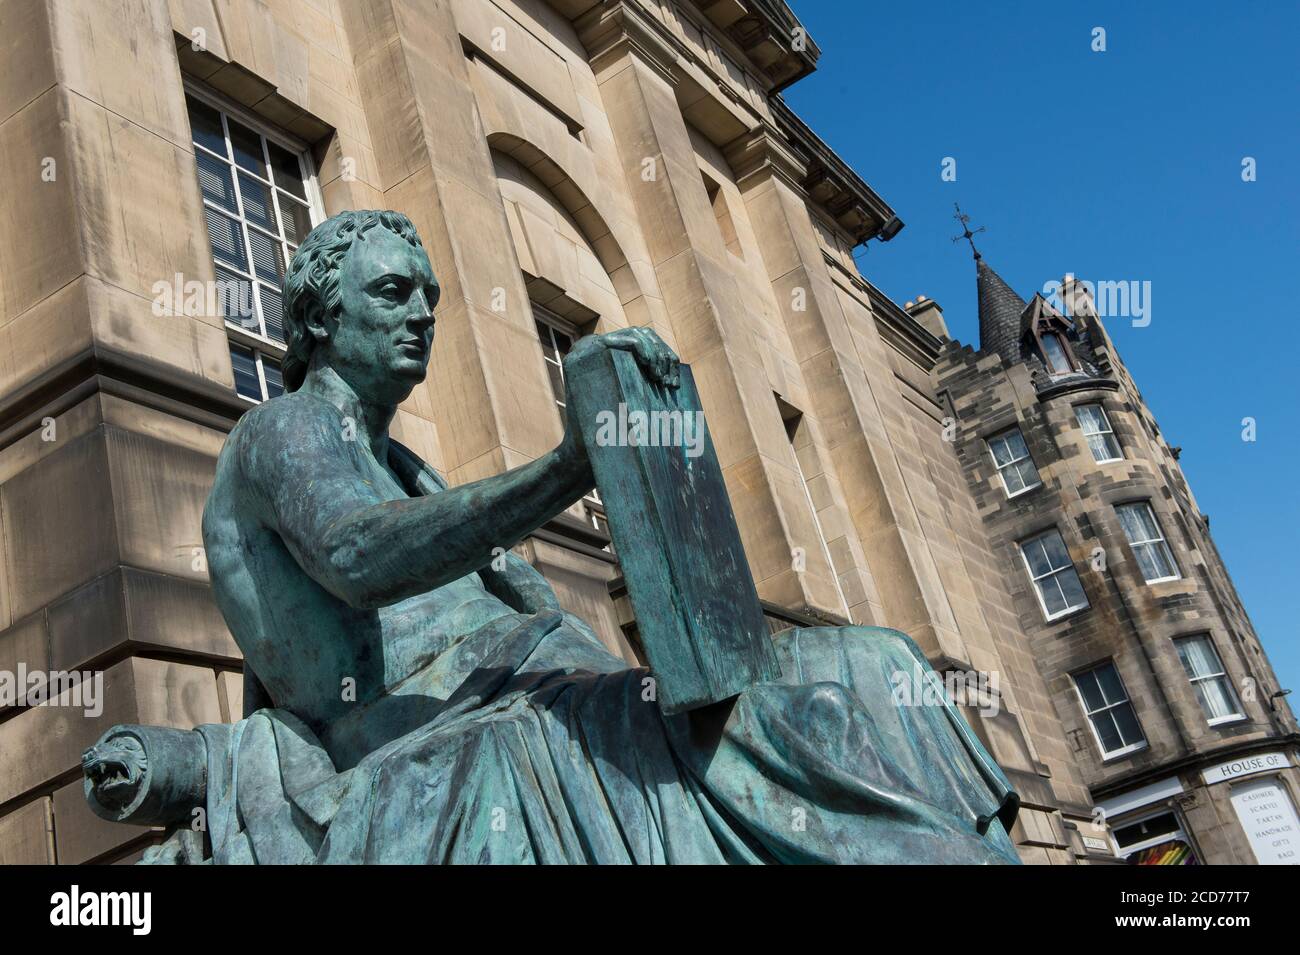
point(368, 552)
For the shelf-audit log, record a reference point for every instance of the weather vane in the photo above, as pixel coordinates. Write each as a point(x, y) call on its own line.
point(966, 234)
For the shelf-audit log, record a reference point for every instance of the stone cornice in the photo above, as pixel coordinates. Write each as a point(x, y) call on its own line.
point(613, 28)
point(833, 185)
point(770, 35)
point(762, 152)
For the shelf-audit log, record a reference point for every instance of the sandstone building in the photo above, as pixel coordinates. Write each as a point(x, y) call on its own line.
point(577, 166)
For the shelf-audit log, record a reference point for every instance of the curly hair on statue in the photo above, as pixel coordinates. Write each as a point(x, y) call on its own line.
point(313, 278)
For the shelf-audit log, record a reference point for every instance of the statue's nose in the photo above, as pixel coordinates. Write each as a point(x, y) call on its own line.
point(426, 306)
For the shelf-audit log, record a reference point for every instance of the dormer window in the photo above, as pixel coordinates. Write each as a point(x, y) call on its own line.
point(1055, 353)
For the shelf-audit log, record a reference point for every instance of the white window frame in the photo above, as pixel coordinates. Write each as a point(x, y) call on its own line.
point(258, 356)
point(1162, 541)
point(1033, 581)
point(1001, 468)
point(1237, 715)
point(261, 344)
point(1088, 714)
point(554, 323)
point(593, 508)
point(1178, 834)
point(1109, 430)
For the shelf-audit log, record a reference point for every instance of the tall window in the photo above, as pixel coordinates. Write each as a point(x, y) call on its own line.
point(1149, 547)
point(557, 337)
point(1096, 428)
point(1011, 457)
point(1058, 359)
point(257, 203)
point(1053, 574)
point(1205, 672)
point(1106, 702)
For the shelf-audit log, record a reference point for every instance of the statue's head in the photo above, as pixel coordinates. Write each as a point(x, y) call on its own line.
point(359, 297)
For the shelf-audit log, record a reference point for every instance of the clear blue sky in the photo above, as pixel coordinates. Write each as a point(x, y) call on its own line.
point(1115, 166)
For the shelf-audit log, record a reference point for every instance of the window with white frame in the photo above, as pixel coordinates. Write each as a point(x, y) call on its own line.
point(1157, 839)
point(1205, 671)
point(259, 204)
point(1149, 548)
point(1105, 701)
point(1097, 430)
point(557, 337)
point(1057, 582)
point(1013, 462)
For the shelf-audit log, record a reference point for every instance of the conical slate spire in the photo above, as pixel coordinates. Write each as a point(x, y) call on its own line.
point(1000, 311)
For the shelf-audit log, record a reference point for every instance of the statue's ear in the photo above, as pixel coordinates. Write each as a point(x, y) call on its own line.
point(317, 321)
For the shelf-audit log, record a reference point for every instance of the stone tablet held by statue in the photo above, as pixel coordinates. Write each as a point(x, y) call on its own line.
point(697, 611)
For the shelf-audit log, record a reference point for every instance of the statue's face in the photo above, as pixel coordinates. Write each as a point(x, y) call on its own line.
point(381, 340)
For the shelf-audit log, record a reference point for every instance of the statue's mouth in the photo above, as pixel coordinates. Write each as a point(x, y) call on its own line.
point(109, 774)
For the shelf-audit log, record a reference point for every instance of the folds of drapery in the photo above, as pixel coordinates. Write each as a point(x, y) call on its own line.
point(550, 751)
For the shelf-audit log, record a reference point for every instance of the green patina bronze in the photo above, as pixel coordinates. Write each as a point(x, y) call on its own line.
point(416, 694)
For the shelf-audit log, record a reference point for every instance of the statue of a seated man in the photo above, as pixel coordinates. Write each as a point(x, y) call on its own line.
point(423, 702)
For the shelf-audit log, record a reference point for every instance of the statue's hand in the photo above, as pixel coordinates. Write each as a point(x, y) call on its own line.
point(659, 363)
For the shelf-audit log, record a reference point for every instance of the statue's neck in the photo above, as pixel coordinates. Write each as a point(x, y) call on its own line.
point(368, 421)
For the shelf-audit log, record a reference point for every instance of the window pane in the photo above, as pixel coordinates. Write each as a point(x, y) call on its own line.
point(1071, 588)
point(544, 336)
point(235, 298)
point(1026, 473)
point(286, 170)
point(227, 239)
point(272, 313)
point(1104, 447)
point(557, 383)
point(248, 147)
point(297, 220)
point(214, 181)
point(1037, 557)
point(1111, 687)
point(268, 262)
point(1090, 418)
point(274, 377)
point(1130, 732)
point(1107, 731)
point(245, 367)
point(1054, 601)
point(1054, 547)
point(1016, 444)
point(1001, 453)
point(257, 203)
point(1216, 699)
point(205, 126)
point(1057, 360)
point(1090, 691)
point(1147, 563)
point(1012, 479)
point(1198, 656)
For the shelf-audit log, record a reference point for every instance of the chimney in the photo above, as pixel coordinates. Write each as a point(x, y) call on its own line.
point(1077, 297)
point(930, 315)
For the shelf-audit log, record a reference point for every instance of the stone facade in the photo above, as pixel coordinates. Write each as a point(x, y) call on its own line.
point(573, 166)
